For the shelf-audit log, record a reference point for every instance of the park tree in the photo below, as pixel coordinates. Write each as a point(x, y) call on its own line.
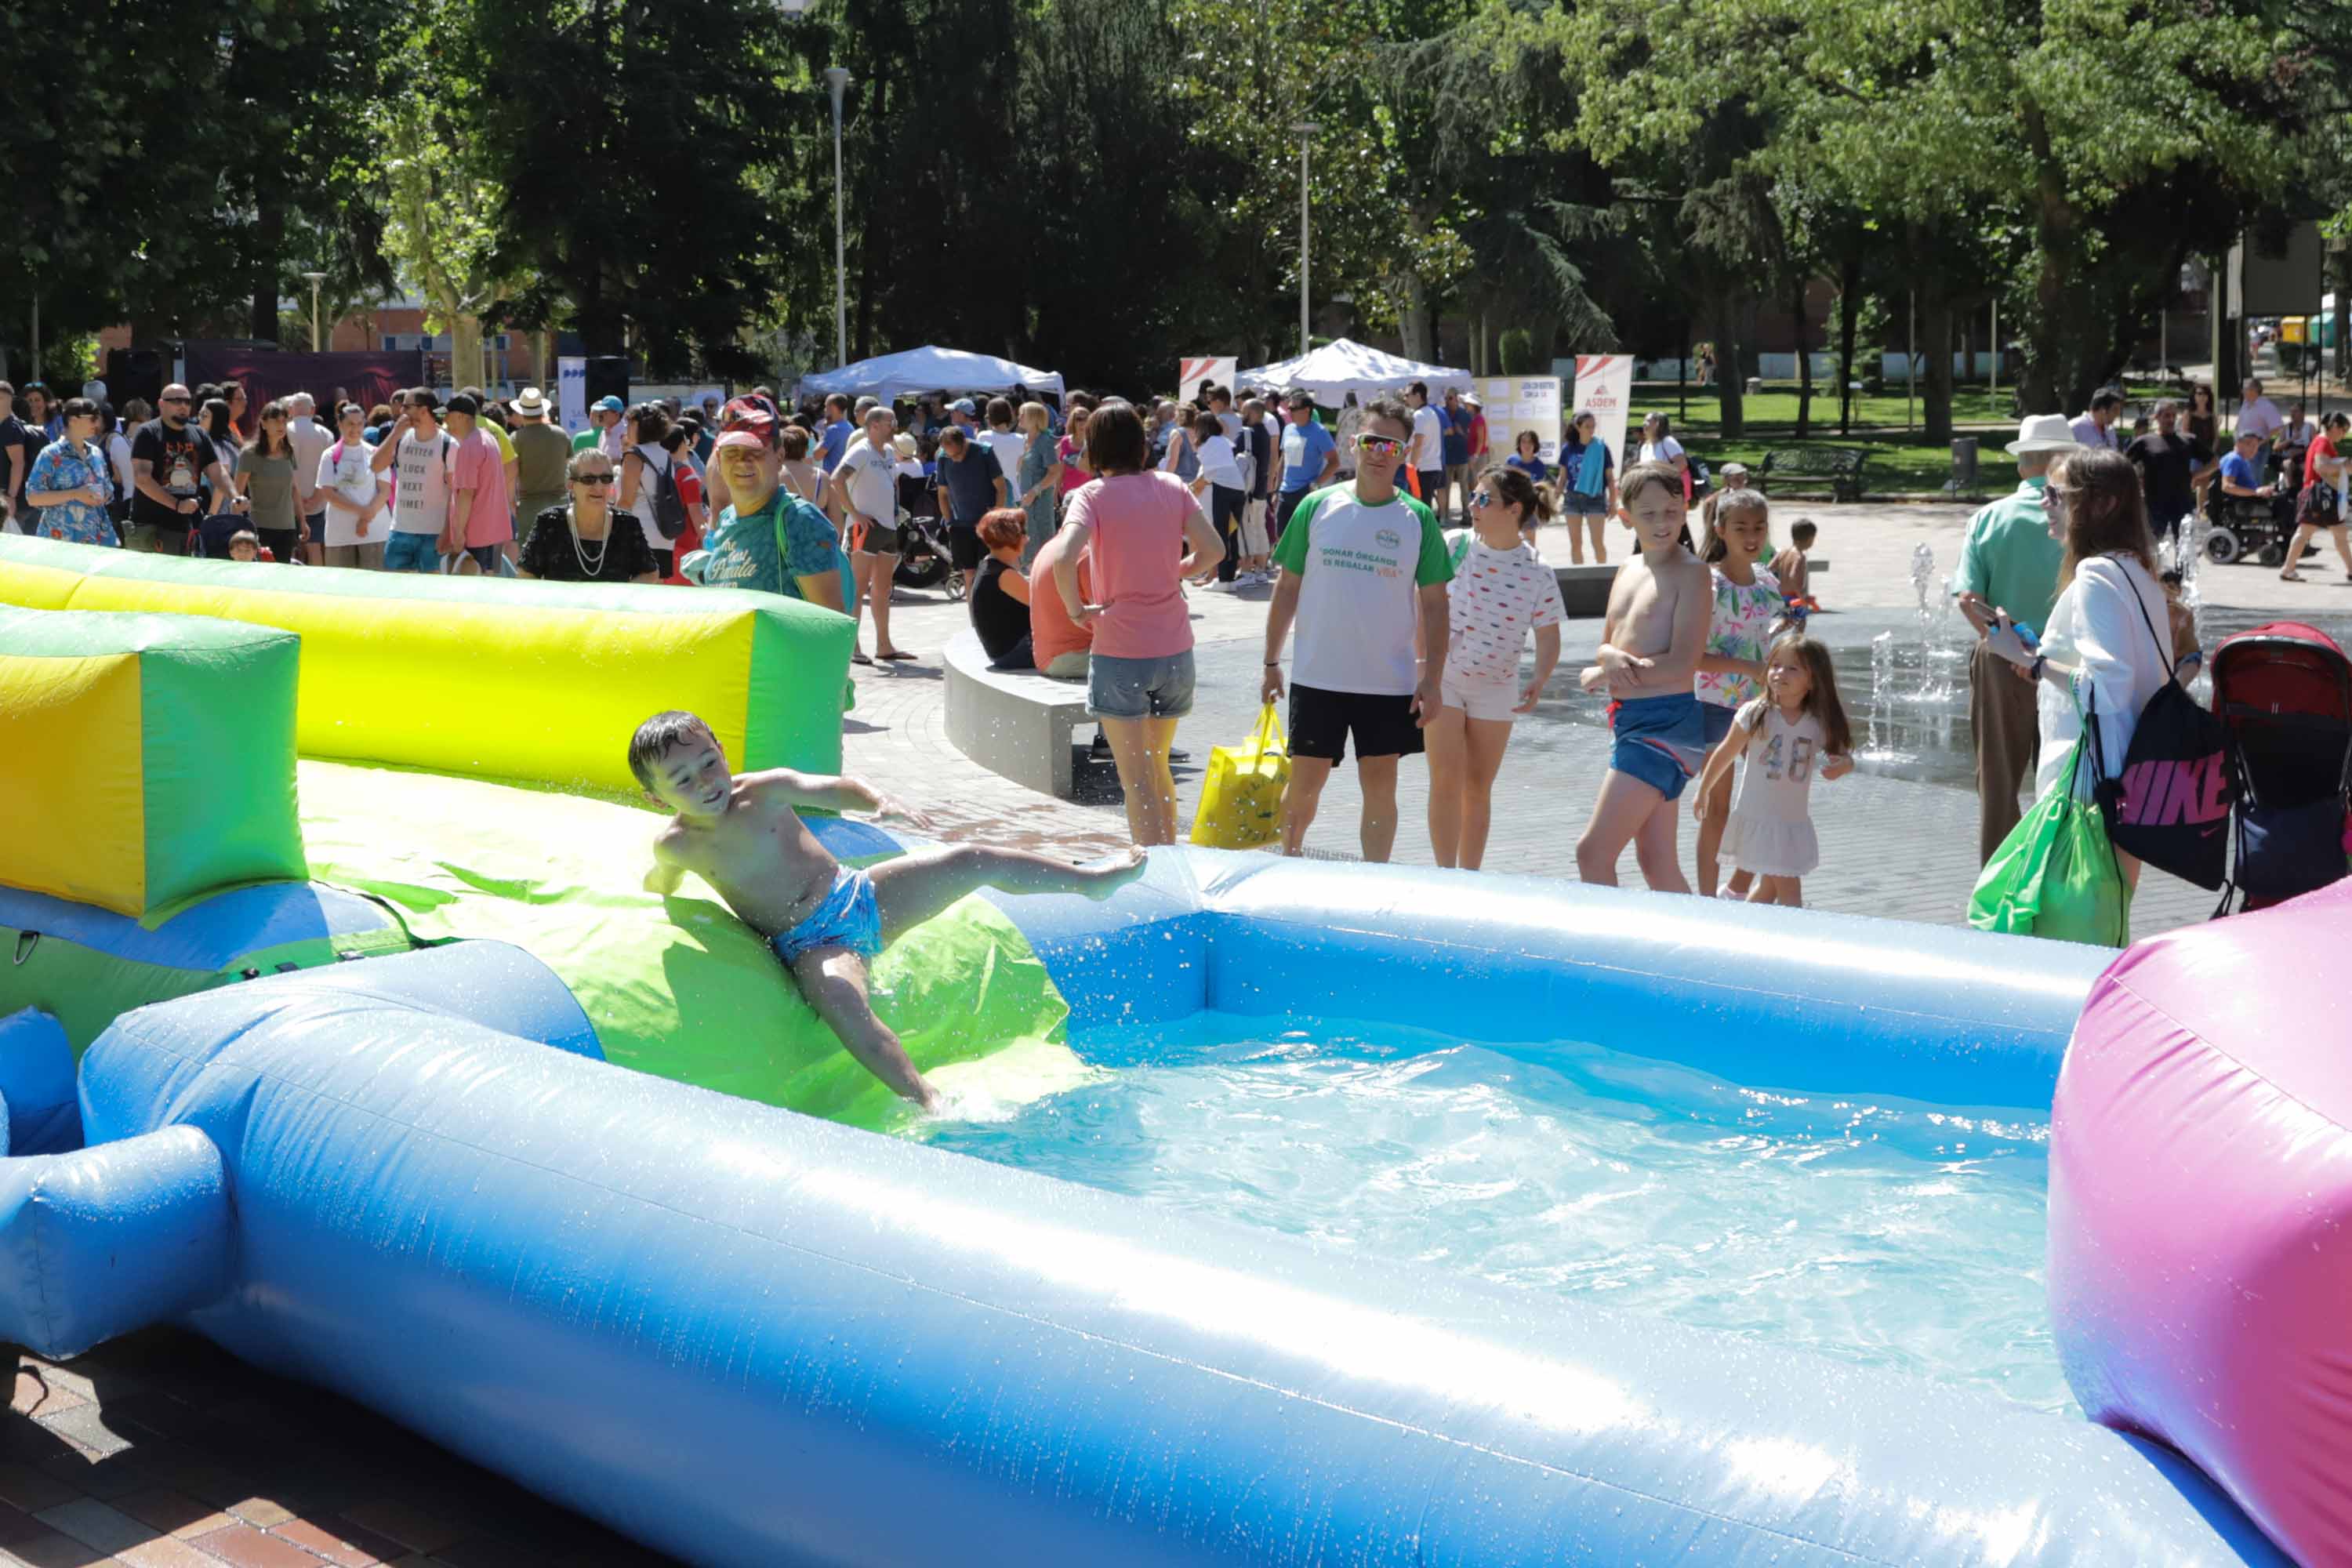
point(2107, 134)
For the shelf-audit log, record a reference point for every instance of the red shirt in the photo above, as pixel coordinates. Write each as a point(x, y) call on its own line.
point(2321, 447)
point(689, 538)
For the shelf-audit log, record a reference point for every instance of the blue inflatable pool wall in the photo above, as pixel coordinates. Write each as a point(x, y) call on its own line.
point(745, 1336)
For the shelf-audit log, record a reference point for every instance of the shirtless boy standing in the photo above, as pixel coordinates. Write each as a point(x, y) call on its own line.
point(824, 920)
point(1651, 644)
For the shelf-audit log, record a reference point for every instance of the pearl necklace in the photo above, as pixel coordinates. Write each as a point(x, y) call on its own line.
point(590, 570)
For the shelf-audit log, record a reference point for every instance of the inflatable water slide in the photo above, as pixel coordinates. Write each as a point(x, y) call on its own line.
point(340, 1030)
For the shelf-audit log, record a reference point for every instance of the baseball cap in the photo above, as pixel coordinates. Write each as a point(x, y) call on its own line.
point(964, 405)
point(610, 404)
point(749, 421)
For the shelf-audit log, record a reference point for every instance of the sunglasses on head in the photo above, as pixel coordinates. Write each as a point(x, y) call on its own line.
point(1379, 445)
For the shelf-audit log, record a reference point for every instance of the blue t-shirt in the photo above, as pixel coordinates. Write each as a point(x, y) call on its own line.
point(2238, 470)
point(837, 442)
point(1535, 469)
point(773, 548)
point(1304, 446)
point(1456, 443)
point(971, 483)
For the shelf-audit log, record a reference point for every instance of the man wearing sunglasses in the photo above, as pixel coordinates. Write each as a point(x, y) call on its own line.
point(1361, 564)
point(169, 459)
point(1310, 458)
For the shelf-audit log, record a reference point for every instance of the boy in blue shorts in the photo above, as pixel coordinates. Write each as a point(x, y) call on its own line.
point(825, 921)
point(1658, 611)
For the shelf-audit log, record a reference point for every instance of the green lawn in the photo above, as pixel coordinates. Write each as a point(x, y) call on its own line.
point(1899, 461)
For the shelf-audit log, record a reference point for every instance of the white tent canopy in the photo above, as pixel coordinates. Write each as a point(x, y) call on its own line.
point(1343, 366)
point(929, 369)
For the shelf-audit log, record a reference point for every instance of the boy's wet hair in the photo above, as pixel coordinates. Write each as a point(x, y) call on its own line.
point(1642, 476)
point(660, 735)
point(1803, 531)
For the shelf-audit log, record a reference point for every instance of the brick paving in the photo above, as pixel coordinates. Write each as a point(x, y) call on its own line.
point(160, 1451)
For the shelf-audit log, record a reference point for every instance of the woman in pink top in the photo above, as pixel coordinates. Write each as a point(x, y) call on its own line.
point(1073, 451)
point(1147, 536)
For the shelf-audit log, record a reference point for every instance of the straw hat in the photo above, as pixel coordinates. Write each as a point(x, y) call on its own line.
point(531, 404)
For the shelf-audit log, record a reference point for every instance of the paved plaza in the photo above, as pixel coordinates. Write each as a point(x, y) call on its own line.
point(1892, 846)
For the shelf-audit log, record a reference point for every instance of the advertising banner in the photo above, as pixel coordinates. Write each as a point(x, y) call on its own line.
point(1191, 373)
point(571, 392)
point(1604, 386)
point(1517, 402)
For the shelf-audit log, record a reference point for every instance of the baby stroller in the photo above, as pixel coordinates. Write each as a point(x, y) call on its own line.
point(2283, 693)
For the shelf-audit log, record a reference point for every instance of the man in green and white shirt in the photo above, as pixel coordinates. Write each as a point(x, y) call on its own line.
point(1363, 564)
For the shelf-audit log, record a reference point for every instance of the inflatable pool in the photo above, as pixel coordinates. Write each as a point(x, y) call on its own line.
point(571, 1139)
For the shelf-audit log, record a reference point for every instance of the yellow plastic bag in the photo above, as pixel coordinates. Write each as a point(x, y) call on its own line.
point(1241, 796)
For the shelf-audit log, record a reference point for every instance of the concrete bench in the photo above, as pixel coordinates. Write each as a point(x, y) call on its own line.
point(1014, 723)
point(1585, 589)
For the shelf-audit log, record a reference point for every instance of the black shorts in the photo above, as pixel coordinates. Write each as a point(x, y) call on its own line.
point(964, 547)
point(1321, 722)
point(1432, 487)
point(281, 542)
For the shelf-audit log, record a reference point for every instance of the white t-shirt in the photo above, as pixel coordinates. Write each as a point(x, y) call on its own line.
point(420, 503)
point(2260, 417)
point(1498, 596)
point(2122, 654)
point(118, 453)
point(1007, 445)
point(1218, 462)
point(1360, 569)
point(872, 476)
point(351, 478)
point(1428, 439)
point(308, 438)
point(1664, 449)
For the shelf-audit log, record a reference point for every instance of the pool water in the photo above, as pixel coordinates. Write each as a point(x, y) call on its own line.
point(1872, 1229)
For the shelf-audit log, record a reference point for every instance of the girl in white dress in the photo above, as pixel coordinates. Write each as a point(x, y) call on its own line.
point(1797, 728)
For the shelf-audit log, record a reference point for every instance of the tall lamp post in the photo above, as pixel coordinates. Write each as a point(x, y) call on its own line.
point(316, 279)
point(1307, 130)
point(836, 78)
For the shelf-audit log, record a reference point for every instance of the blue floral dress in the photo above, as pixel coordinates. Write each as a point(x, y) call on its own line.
point(60, 467)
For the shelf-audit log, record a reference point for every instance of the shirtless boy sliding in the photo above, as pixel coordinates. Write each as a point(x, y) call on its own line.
point(824, 920)
point(1651, 644)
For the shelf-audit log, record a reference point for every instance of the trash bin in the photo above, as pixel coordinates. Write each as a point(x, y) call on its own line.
point(1755, 386)
point(1964, 463)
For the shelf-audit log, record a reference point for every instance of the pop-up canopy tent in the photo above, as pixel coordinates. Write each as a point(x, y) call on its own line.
point(1343, 366)
point(929, 369)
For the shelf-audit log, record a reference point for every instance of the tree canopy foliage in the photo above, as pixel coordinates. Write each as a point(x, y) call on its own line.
point(1104, 186)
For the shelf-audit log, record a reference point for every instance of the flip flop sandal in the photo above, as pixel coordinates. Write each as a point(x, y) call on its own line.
point(895, 654)
point(860, 658)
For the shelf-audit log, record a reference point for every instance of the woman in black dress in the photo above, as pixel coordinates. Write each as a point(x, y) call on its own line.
point(578, 542)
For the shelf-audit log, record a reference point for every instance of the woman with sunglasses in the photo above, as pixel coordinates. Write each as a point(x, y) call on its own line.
point(578, 542)
point(2108, 646)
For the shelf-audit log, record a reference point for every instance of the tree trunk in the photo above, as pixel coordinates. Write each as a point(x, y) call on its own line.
point(1416, 322)
point(269, 240)
point(465, 348)
point(2044, 382)
point(1731, 389)
point(1804, 357)
point(1849, 323)
point(1936, 343)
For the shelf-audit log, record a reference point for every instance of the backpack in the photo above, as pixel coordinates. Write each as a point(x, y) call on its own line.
point(669, 506)
point(2170, 803)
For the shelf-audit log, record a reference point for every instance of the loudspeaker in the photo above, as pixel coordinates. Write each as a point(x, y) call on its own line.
point(134, 372)
point(608, 376)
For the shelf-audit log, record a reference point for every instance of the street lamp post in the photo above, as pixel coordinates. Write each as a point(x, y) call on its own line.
point(316, 279)
point(836, 78)
point(1307, 130)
